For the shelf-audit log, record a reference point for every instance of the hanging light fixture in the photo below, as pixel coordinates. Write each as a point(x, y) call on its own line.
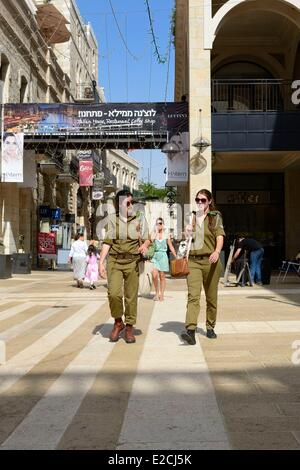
point(170, 148)
point(201, 143)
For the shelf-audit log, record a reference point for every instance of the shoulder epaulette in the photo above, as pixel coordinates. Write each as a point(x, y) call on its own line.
point(213, 213)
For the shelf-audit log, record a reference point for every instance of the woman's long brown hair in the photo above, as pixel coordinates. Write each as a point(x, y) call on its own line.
point(212, 207)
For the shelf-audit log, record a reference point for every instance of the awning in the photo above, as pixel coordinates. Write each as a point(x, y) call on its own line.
point(52, 24)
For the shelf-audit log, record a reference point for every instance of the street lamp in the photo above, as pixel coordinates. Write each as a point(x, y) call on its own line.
point(201, 143)
point(170, 148)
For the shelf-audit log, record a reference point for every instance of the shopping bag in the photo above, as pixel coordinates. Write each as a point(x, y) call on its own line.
point(145, 278)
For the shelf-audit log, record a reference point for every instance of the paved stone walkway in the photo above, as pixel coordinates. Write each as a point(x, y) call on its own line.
point(65, 386)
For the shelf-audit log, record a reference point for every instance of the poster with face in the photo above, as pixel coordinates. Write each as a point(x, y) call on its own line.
point(12, 157)
point(178, 163)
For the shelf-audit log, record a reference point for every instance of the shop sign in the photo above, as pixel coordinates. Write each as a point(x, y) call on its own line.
point(86, 173)
point(44, 212)
point(56, 213)
point(97, 194)
point(46, 243)
point(243, 197)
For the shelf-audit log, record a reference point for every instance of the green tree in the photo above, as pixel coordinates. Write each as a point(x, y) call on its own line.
point(150, 191)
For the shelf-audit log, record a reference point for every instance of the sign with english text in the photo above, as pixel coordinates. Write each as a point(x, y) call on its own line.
point(74, 119)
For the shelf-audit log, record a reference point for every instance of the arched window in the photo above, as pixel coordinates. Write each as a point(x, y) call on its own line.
point(244, 86)
point(24, 90)
point(4, 75)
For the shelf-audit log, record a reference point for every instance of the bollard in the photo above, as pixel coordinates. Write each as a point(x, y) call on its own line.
point(2, 352)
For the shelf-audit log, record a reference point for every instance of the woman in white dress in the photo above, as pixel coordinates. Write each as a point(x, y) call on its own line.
point(77, 257)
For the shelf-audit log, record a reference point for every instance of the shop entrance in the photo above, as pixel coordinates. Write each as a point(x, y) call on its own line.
point(253, 204)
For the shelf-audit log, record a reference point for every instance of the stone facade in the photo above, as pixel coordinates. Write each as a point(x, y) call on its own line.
point(35, 68)
point(124, 168)
point(237, 39)
point(29, 72)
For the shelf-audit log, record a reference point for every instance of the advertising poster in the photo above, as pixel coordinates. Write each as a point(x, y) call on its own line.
point(12, 157)
point(85, 173)
point(61, 118)
point(46, 243)
point(178, 163)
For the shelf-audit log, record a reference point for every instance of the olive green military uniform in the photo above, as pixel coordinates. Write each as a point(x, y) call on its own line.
point(124, 238)
point(202, 272)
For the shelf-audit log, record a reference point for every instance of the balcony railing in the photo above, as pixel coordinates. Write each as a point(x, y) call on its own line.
point(264, 95)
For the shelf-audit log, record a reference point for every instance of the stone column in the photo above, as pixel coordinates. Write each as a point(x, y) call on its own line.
point(49, 190)
point(25, 217)
point(10, 217)
point(199, 97)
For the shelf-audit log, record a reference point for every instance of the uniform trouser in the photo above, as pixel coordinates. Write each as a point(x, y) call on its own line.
point(123, 272)
point(202, 273)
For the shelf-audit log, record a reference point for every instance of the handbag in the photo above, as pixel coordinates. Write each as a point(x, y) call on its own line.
point(150, 252)
point(179, 267)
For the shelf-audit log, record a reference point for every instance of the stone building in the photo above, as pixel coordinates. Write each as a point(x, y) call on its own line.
point(239, 62)
point(29, 72)
point(49, 55)
point(124, 168)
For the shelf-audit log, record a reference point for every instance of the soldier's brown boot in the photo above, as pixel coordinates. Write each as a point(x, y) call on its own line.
point(115, 332)
point(129, 336)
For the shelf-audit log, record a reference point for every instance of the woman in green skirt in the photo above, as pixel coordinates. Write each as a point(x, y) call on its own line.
point(160, 258)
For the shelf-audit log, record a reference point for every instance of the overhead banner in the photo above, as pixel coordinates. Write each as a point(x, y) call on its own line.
point(85, 173)
point(178, 163)
point(12, 157)
point(74, 119)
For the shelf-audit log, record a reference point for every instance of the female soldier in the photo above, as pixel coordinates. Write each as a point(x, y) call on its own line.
point(123, 244)
point(204, 264)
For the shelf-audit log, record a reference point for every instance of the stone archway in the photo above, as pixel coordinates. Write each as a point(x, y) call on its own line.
point(233, 8)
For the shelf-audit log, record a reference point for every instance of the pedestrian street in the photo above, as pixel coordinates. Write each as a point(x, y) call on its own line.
point(63, 385)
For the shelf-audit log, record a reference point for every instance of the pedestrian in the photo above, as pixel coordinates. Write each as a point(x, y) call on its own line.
point(125, 241)
point(204, 264)
point(77, 257)
point(92, 270)
point(160, 258)
point(256, 253)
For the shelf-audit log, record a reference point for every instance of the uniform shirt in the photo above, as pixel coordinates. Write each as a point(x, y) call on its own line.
point(249, 244)
point(204, 239)
point(126, 236)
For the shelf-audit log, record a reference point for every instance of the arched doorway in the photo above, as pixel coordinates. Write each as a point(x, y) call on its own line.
point(254, 60)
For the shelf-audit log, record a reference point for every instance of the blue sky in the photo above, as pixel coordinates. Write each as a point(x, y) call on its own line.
point(134, 74)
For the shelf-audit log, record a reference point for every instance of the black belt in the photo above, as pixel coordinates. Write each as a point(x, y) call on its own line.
point(125, 256)
point(199, 256)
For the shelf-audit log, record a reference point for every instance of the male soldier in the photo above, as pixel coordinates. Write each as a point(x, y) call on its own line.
point(125, 241)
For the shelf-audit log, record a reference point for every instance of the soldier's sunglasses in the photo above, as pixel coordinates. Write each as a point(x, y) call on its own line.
point(201, 199)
